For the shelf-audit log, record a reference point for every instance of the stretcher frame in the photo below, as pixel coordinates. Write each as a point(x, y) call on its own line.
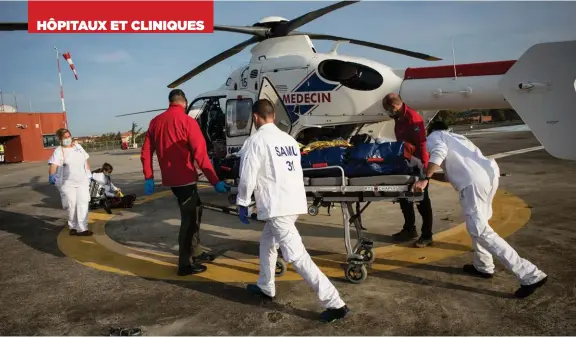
point(361, 254)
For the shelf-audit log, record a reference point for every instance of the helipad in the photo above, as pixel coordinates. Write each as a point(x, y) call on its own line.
point(143, 241)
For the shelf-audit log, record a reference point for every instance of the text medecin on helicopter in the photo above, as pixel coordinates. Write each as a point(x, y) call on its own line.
point(120, 26)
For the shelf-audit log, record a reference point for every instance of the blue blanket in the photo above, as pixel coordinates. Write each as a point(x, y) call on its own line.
point(362, 160)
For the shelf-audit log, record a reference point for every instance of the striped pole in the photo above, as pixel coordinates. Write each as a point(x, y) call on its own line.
point(61, 87)
point(60, 78)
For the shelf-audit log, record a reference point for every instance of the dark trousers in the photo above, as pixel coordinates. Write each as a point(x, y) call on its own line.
point(425, 210)
point(190, 217)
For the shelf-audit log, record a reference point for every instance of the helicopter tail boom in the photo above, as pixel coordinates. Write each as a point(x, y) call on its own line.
point(543, 93)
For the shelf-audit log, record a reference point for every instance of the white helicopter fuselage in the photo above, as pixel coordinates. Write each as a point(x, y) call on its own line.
point(315, 93)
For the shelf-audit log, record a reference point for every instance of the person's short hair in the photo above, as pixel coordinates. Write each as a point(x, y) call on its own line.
point(107, 167)
point(61, 132)
point(176, 95)
point(437, 126)
point(263, 108)
point(392, 98)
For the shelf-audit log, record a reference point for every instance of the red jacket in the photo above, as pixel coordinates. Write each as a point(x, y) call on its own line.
point(178, 142)
point(409, 128)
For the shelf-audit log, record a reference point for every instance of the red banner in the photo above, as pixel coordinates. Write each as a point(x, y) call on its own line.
point(45, 16)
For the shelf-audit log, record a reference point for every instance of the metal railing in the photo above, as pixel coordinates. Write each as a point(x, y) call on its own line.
point(106, 146)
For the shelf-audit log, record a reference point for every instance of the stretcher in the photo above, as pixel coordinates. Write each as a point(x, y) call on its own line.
point(349, 193)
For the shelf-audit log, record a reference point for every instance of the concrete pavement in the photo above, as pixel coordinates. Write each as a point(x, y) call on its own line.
point(44, 291)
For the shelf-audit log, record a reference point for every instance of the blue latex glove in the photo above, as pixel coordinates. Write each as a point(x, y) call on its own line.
point(243, 214)
point(222, 187)
point(149, 186)
point(52, 179)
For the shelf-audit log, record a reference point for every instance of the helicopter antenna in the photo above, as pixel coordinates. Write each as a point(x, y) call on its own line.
point(453, 58)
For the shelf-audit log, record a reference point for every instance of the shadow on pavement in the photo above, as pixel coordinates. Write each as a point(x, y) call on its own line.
point(38, 232)
point(221, 242)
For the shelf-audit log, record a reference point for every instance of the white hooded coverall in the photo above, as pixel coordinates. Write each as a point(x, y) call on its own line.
point(270, 168)
point(476, 179)
point(105, 182)
point(73, 181)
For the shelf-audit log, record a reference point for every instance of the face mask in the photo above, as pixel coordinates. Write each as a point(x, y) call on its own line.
point(67, 142)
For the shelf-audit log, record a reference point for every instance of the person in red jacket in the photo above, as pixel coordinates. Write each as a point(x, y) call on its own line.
point(178, 142)
point(409, 128)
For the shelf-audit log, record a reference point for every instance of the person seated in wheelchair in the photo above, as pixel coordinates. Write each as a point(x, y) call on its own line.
point(114, 196)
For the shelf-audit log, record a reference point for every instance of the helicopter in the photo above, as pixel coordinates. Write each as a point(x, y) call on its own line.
point(330, 95)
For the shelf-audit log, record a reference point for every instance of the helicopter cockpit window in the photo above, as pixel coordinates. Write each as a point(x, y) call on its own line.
point(351, 75)
point(239, 117)
point(196, 107)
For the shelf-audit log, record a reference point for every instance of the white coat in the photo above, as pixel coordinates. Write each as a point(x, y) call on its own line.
point(270, 168)
point(476, 178)
point(73, 182)
point(462, 162)
point(105, 182)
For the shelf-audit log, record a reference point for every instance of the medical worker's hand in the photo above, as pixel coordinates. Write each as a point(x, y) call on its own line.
point(243, 214)
point(149, 186)
point(52, 179)
point(420, 185)
point(222, 187)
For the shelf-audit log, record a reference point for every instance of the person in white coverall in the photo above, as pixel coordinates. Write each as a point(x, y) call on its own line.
point(70, 172)
point(270, 168)
point(476, 179)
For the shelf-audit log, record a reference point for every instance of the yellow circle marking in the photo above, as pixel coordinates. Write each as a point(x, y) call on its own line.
point(510, 213)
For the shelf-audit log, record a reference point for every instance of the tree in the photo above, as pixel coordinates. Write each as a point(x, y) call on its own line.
point(134, 133)
point(497, 115)
point(511, 115)
point(447, 116)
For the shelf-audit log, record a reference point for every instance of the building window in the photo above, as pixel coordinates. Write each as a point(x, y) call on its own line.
point(50, 141)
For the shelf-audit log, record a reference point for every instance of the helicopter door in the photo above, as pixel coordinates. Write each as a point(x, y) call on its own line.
point(267, 91)
point(239, 122)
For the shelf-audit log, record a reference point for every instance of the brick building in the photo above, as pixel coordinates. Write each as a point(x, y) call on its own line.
point(29, 136)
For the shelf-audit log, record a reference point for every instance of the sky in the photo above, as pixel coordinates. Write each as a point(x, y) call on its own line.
point(123, 73)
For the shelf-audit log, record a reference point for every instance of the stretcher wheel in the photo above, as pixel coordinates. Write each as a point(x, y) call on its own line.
point(356, 273)
point(368, 254)
point(313, 210)
point(232, 199)
point(280, 267)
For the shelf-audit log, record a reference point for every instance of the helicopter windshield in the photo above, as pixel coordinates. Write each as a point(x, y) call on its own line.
point(239, 117)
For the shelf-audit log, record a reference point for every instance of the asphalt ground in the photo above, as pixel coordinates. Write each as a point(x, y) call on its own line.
point(46, 292)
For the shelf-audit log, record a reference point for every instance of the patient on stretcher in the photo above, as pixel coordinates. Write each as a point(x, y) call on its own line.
point(114, 196)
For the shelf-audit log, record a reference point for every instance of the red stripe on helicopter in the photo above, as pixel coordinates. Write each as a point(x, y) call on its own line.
point(462, 70)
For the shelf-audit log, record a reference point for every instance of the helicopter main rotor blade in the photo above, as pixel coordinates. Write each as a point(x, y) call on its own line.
point(371, 45)
point(306, 18)
point(12, 26)
point(215, 60)
point(256, 31)
point(141, 112)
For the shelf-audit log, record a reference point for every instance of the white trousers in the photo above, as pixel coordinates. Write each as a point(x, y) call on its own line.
point(63, 198)
point(77, 199)
point(281, 231)
point(476, 201)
